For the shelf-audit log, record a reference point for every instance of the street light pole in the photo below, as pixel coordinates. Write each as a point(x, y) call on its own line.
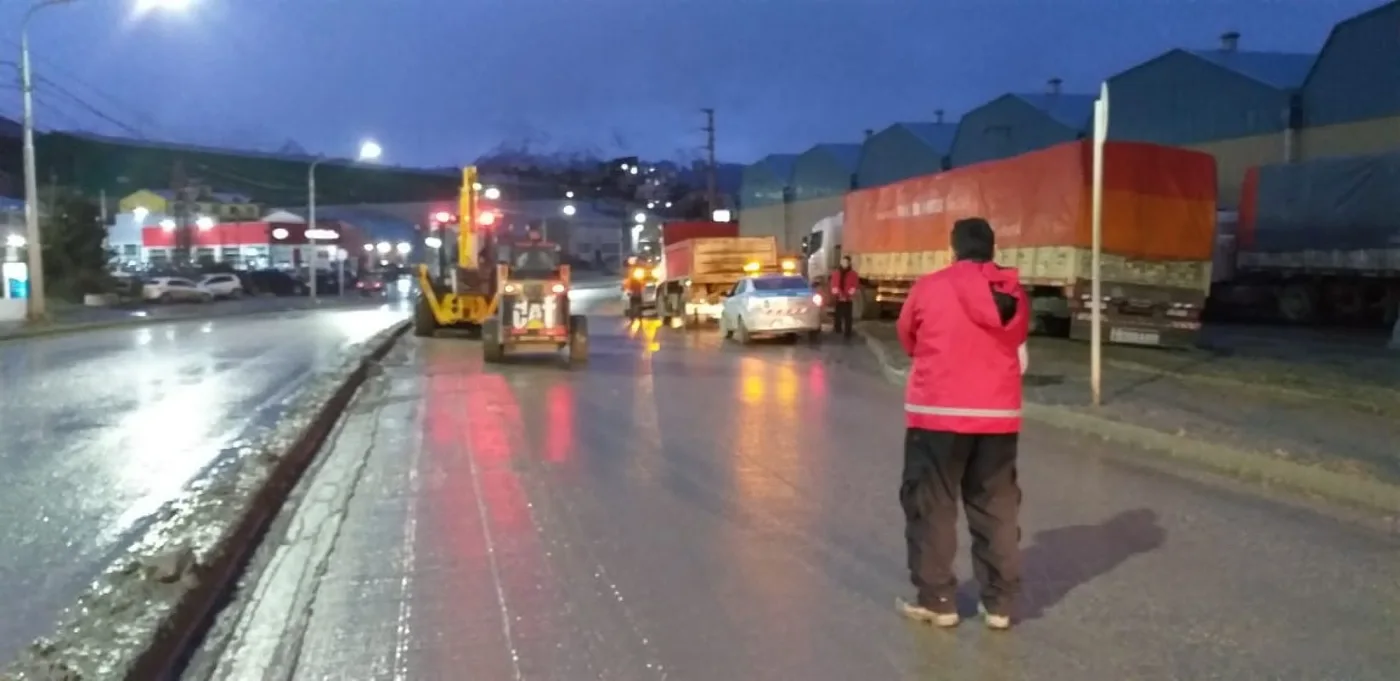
point(36, 301)
point(311, 221)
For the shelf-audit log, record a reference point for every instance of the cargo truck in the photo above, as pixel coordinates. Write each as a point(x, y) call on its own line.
point(1317, 242)
point(701, 262)
point(1159, 212)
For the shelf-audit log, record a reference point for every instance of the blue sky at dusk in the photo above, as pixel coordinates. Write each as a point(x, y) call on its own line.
point(439, 82)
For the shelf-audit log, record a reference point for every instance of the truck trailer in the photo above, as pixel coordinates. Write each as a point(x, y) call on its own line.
point(1159, 212)
point(701, 262)
point(1317, 242)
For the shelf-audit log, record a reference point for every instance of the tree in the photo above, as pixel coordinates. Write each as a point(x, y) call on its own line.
point(75, 261)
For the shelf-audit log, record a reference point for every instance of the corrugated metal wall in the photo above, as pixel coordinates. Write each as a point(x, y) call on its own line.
point(1351, 103)
point(899, 153)
point(763, 196)
point(821, 176)
point(1194, 100)
point(1014, 124)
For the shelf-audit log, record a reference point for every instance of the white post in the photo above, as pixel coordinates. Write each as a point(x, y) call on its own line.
point(1096, 294)
point(311, 224)
point(340, 256)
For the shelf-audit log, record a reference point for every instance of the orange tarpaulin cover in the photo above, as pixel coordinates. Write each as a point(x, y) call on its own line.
point(1159, 203)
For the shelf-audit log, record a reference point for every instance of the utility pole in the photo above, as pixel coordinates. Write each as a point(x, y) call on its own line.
point(711, 199)
point(181, 254)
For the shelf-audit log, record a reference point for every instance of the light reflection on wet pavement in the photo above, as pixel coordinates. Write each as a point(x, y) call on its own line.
point(686, 510)
point(101, 429)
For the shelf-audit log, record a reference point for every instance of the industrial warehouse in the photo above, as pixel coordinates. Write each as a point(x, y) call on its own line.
point(1278, 126)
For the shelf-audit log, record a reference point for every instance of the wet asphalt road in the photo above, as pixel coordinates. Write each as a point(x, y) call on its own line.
point(686, 510)
point(102, 428)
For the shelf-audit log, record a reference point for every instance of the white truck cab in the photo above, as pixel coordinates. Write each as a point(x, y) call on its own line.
point(823, 249)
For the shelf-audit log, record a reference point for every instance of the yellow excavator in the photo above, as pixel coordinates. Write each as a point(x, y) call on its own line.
point(513, 294)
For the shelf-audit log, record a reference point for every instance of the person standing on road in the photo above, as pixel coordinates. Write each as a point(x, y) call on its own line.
point(845, 284)
point(965, 329)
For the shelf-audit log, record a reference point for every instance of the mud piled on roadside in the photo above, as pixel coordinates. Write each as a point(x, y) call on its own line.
point(1309, 439)
point(144, 608)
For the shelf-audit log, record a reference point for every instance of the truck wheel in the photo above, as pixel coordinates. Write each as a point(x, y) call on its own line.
point(741, 332)
point(1297, 304)
point(578, 339)
point(492, 350)
point(424, 325)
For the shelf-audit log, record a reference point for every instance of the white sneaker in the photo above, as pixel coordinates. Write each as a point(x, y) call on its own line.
point(919, 613)
point(997, 622)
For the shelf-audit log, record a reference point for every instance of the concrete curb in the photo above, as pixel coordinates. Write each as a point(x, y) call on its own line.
point(48, 331)
point(162, 651)
point(1244, 464)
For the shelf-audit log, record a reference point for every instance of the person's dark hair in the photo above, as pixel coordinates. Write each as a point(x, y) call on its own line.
point(973, 239)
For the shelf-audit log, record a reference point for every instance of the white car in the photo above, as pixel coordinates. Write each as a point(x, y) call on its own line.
point(771, 305)
point(174, 290)
point(222, 285)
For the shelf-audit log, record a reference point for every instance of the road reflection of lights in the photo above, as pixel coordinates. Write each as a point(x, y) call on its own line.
point(158, 447)
point(785, 390)
point(559, 408)
point(206, 327)
point(752, 382)
point(143, 336)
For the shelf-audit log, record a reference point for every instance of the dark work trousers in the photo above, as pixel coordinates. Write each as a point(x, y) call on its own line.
point(843, 318)
point(940, 468)
point(634, 306)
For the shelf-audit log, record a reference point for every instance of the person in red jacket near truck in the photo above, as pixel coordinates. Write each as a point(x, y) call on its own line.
point(965, 328)
point(845, 284)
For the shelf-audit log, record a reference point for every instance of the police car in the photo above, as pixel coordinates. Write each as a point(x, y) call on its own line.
point(771, 305)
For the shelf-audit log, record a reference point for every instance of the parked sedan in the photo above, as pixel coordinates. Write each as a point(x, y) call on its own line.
point(222, 285)
point(175, 290)
point(771, 305)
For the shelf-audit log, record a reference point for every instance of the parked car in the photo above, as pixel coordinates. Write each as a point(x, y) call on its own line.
point(273, 282)
point(372, 285)
point(222, 285)
point(174, 290)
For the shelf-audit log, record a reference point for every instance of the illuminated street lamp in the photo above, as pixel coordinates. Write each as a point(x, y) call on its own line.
point(204, 223)
point(36, 301)
point(492, 193)
point(432, 242)
point(369, 151)
point(405, 248)
point(167, 225)
point(640, 218)
point(569, 209)
point(140, 214)
point(568, 195)
point(383, 247)
point(369, 248)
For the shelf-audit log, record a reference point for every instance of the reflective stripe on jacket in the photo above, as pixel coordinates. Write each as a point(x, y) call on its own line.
point(966, 373)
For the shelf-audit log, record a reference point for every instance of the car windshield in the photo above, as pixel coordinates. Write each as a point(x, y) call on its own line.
point(779, 283)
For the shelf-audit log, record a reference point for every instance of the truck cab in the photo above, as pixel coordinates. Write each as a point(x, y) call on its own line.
point(822, 246)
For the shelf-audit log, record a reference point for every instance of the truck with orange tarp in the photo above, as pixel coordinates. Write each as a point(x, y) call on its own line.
point(1159, 212)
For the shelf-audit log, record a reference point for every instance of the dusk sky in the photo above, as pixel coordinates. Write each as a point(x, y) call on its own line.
point(439, 82)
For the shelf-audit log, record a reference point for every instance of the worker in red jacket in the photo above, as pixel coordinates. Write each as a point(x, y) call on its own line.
point(845, 284)
point(964, 327)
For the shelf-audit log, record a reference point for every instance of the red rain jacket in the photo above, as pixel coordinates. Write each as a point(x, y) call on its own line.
point(966, 374)
point(844, 285)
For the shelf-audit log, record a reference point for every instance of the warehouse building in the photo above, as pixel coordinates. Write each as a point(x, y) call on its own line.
point(821, 176)
point(1239, 106)
point(905, 150)
point(1014, 124)
point(1351, 99)
point(764, 190)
